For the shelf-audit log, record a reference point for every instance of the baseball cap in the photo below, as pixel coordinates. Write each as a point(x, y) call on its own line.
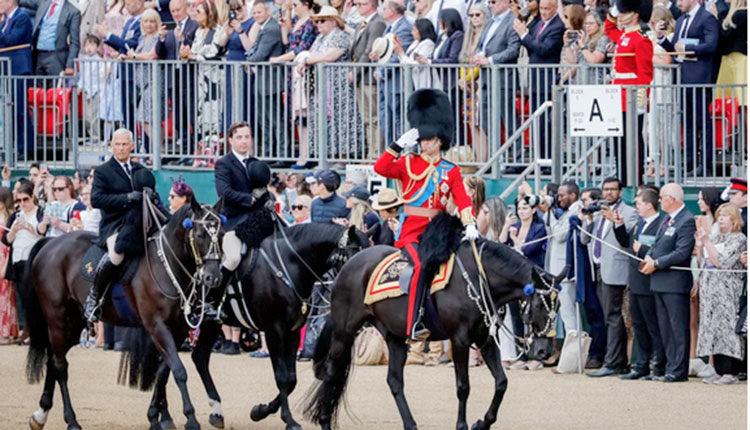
point(359, 192)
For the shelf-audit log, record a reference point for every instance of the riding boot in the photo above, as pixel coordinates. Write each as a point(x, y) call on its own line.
point(418, 330)
point(105, 274)
point(215, 296)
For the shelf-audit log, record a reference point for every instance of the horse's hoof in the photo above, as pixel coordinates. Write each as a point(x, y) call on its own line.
point(479, 425)
point(167, 425)
point(34, 424)
point(216, 420)
point(259, 412)
point(293, 426)
point(192, 425)
point(74, 426)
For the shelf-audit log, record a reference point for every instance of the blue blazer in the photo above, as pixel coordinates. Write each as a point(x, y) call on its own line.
point(131, 33)
point(233, 185)
point(535, 251)
point(18, 32)
point(546, 48)
point(705, 28)
point(401, 28)
point(448, 54)
point(673, 248)
point(162, 7)
point(169, 49)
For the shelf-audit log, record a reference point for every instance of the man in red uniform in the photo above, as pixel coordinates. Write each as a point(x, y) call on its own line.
point(633, 65)
point(427, 182)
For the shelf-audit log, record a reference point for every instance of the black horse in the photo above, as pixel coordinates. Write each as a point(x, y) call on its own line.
point(276, 285)
point(467, 310)
point(189, 246)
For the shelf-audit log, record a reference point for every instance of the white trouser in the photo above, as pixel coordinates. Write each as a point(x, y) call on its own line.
point(114, 257)
point(232, 247)
point(568, 305)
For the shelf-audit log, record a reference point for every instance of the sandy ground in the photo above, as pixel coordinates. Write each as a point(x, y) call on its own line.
point(534, 400)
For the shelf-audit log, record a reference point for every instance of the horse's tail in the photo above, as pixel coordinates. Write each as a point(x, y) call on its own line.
point(331, 362)
point(139, 362)
point(36, 322)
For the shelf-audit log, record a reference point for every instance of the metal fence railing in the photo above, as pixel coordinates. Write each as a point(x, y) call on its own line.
point(347, 113)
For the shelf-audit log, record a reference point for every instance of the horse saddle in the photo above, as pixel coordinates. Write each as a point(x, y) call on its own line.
point(95, 254)
point(391, 278)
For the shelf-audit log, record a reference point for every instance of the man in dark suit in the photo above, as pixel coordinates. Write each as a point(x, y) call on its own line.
point(233, 185)
point(180, 78)
point(673, 247)
point(367, 97)
point(56, 32)
point(113, 193)
point(15, 30)
point(389, 95)
point(638, 240)
point(544, 47)
point(499, 44)
point(126, 41)
point(161, 6)
point(697, 31)
point(269, 79)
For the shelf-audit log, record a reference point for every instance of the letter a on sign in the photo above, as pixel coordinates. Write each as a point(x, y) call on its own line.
point(594, 110)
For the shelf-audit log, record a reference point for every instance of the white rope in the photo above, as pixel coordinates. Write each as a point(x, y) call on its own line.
point(635, 257)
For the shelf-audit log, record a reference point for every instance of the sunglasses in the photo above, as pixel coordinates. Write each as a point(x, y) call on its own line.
point(298, 207)
point(475, 15)
point(59, 188)
point(172, 196)
point(22, 200)
point(319, 21)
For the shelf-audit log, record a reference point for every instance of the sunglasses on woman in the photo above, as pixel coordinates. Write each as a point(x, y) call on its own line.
point(298, 207)
point(59, 188)
point(22, 200)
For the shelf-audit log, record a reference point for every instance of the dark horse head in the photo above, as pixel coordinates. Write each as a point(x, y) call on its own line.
point(198, 232)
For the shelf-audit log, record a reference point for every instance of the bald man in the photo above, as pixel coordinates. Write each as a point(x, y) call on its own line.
point(672, 248)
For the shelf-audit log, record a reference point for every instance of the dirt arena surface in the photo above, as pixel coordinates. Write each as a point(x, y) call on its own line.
point(534, 400)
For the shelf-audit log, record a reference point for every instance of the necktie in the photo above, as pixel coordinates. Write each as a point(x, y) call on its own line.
point(387, 30)
point(598, 243)
point(641, 228)
point(685, 27)
point(541, 28)
point(664, 226)
point(127, 169)
point(52, 9)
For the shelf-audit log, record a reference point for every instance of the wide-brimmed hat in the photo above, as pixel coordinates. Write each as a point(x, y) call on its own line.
point(329, 12)
point(383, 47)
point(387, 198)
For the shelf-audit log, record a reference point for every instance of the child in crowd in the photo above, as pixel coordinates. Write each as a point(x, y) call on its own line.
point(90, 83)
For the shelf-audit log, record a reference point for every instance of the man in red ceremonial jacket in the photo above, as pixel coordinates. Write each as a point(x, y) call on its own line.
point(633, 65)
point(427, 183)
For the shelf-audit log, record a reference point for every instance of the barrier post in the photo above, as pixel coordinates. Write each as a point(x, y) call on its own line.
point(74, 124)
point(557, 132)
point(631, 139)
point(155, 115)
point(322, 123)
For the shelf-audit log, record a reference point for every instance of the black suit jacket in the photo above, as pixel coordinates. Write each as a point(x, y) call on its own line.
point(109, 193)
point(637, 281)
point(705, 28)
point(233, 185)
point(169, 48)
point(674, 248)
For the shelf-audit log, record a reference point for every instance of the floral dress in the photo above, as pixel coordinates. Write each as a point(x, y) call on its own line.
point(344, 133)
point(720, 299)
point(8, 311)
point(143, 73)
point(300, 39)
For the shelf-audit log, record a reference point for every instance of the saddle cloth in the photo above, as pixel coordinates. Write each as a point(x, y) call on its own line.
point(384, 281)
point(91, 259)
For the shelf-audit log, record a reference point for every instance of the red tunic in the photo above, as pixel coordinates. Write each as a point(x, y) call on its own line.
point(631, 70)
point(430, 191)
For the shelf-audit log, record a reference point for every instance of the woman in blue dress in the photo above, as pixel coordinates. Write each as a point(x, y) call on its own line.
point(237, 41)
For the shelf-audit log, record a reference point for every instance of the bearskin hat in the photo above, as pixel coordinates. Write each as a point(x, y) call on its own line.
point(641, 7)
point(259, 173)
point(430, 112)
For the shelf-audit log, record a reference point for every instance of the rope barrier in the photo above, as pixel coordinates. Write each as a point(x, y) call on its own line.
point(635, 257)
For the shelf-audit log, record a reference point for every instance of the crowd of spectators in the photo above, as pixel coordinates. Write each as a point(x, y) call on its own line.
point(278, 102)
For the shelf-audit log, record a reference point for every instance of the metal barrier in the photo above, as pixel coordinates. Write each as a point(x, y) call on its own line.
point(347, 113)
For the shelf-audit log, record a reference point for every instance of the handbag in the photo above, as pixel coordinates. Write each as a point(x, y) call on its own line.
point(568, 355)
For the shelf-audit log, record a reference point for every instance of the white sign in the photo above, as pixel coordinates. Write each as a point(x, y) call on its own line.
point(374, 181)
point(595, 110)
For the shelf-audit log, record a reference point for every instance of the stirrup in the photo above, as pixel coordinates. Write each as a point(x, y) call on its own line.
point(419, 331)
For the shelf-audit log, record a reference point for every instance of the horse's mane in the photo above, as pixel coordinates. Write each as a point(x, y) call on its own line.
point(314, 232)
point(507, 260)
point(176, 219)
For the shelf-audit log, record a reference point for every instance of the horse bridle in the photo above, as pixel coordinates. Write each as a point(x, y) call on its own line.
point(208, 220)
point(548, 296)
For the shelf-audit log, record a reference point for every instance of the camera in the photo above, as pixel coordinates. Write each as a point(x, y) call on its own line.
point(594, 207)
point(573, 35)
point(232, 14)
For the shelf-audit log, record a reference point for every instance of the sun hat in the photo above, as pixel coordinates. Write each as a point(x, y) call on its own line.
point(387, 198)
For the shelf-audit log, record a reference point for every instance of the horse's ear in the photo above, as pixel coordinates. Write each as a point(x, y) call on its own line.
point(219, 206)
point(559, 278)
point(195, 206)
point(352, 234)
point(536, 275)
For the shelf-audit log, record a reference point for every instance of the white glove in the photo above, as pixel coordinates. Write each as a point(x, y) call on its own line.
point(471, 232)
point(613, 11)
point(408, 140)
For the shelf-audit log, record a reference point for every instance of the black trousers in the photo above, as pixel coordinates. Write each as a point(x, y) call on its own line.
point(673, 313)
point(698, 128)
point(616, 356)
point(648, 339)
point(726, 365)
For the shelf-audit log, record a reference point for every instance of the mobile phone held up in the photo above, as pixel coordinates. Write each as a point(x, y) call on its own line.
point(170, 25)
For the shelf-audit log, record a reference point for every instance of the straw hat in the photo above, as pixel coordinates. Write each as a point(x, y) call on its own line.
point(387, 198)
point(383, 47)
point(329, 12)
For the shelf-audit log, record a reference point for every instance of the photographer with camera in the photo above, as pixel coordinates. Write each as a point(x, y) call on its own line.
point(609, 212)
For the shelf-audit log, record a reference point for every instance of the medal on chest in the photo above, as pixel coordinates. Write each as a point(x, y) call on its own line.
point(444, 188)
